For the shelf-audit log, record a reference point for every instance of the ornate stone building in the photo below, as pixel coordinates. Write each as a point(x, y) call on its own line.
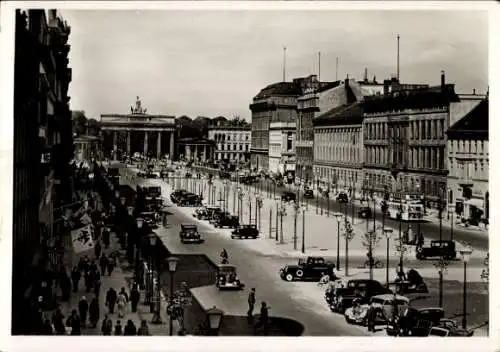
point(468, 163)
point(138, 132)
point(232, 143)
point(404, 135)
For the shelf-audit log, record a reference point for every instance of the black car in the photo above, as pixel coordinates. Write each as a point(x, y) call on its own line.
point(342, 198)
point(226, 220)
point(308, 193)
point(190, 200)
point(245, 231)
point(443, 248)
point(415, 322)
point(365, 212)
point(288, 197)
point(310, 269)
point(341, 298)
point(189, 234)
point(176, 195)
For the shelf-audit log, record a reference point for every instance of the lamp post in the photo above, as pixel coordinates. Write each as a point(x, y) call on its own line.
point(304, 207)
point(465, 252)
point(451, 211)
point(172, 268)
point(156, 316)
point(249, 208)
point(277, 219)
point(339, 217)
point(296, 208)
point(138, 241)
point(238, 191)
point(258, 203)
point(282, 212)
point(441, 266)
point(388, 233)
point(214, 320)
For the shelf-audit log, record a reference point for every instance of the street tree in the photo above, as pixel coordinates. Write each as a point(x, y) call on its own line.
point(442, 268)
point(349, 234)
point(370, 241)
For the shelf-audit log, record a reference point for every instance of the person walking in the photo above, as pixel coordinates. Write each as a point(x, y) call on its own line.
point(98, 249)
point(106, 237)
point(65, 284)
point(107, 326)
point(94, 312)
point(118, 328)
point(111, 264)
point(58, 322)
point(130, 329)
point(143, 329)
point(251, 303)
point(264, 318)
point(111, 298)
point(121, 303)
point(47, 328)
point(74, 323)
point(122, 292)
point(370, 319)
point(75, 277)
point(135, 296)
point(83, 309)
point(97, 287)
point(103, 263)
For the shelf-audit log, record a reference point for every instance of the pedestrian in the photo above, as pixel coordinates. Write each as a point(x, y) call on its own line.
point(103, 263)
point(98, 249)
point(74, 323)
point(111, 264)
point(251, 303)
point(65, 283)
point(75, 277)
point(118, 328)
point(83, 309)
point(47, 328)
point(143, 330)
point(370, 318)
point(122, 292)
point(130, 329)
point(135, 296)
point(107, 326)
point(106, 236)
point(121, 303)
point(264, 318)
point(94, 312)
point(58, 322)
point(87, 277)
point(97, 287)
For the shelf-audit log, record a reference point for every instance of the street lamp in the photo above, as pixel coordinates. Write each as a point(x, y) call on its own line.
point(138, 239)
point(339, 217)
point(466, 253)
point(304, 207)
point(258, 205)
point(214, 318)
point(282, 212)
point(156, 317)
point(172, 268)
point(388, 233)
point(451, 210)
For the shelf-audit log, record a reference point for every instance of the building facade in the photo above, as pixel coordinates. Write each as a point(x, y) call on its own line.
point(87, 147)
point(468, 163)
point(232, 143)
point(404, 136)
point(338, 148)
point(282, 148)
point(43, 149)
point(195, 149)
point(138, 132)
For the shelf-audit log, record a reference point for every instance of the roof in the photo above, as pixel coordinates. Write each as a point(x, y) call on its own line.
point(418, 99)
point(327, 85)
point(475, 121)
point(346, 114)
point(280, 89)
point(192, 140)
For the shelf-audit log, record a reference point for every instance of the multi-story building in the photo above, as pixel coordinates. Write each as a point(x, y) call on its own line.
point(232, 143)
point(404, 135)
point(282, 148)
point(338, 147)
point(43, 149)
point(468, 164)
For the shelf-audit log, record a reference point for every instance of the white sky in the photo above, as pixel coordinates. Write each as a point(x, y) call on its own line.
point(211, 63)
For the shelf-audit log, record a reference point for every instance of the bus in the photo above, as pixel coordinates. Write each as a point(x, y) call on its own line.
point(410, 210)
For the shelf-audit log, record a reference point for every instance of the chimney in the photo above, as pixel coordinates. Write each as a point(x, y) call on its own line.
point(474, 91)
point(442, 81)
point(387, 83)
point(346, 82)
point(365, 76)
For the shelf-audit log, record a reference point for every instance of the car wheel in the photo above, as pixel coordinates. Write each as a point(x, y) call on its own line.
point(299, 273)
point(289, 277)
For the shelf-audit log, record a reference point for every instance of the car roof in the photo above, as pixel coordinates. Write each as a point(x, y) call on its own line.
point(390, 297)
point(222, 266)
point(189, 226)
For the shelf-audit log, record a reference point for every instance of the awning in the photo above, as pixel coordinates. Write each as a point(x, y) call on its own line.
point(478, 203)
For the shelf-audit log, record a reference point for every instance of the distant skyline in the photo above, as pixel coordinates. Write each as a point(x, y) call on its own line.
point(210, 63)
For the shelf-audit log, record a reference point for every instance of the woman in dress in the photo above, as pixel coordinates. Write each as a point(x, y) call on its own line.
point(121, 303)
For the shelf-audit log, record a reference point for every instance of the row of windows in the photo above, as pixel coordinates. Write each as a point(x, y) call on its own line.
point(405, 183)
point(414, 157)
point(339, 176)
point(245, 147)
point(229, 156)
point(418, 129)
point(474, 147)
point(469, 170)
point(338, 153)
point(337, 135)
point(233, 137)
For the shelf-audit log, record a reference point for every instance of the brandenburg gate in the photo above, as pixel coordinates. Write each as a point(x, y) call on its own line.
point(138, 132)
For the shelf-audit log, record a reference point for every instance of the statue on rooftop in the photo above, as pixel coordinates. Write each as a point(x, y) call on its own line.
point(138, 107)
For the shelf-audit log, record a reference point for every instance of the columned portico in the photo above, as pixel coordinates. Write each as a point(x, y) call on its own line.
point(126, 134)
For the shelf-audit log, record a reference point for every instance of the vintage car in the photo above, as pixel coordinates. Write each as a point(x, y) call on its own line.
point(414, 283)
point(227, 278)
point(384, 306)
point(365, 212)
point(342, 198)
point(415, 322)
point(437, 248)
point(342, 293)
point(200, 213)
point(288, 197)
point(308, 193)
point(190, 200)
point(177, 195)
point(226, 220)
point(212, 212)
point(189, 234)
point(313, 268)
point(449, 327)
point(150, 218)
point(245, 231)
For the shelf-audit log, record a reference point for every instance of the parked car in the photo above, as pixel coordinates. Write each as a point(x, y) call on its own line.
point(227, 278)
point(288, 197)
point(341, 296)
point(310, 269)
point(342, 198)
point(177, 194)
point(212, 212)
point(414, 283)
point(200, 213)
point(150, 219)
point(449, 327)
point(245, 231)
point(308, 193)
point(365, 212)
point(438, 248)
point(189, 234)
point(226, 219)
point(415, 322)
point(384, 305)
